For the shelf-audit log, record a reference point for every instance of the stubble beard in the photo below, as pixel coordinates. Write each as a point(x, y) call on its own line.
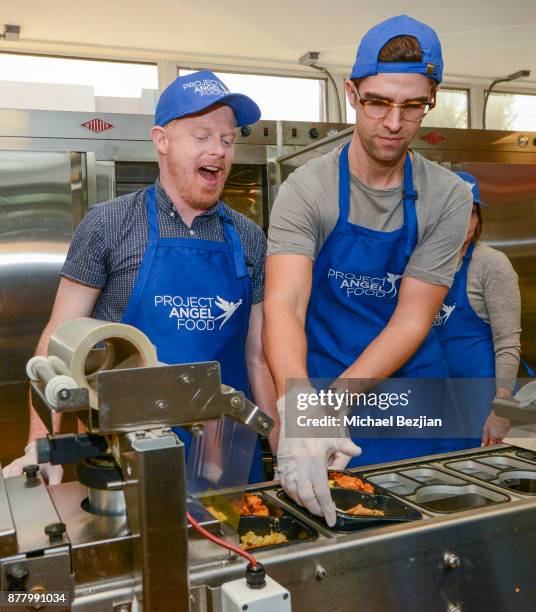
point(184, 179)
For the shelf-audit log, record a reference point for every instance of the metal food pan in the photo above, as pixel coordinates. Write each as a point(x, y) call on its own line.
point(520, 481)
point(395, 483)
point(292, 528)
point(395, 511)
point(475, 469)
point(430, 476)
point(447, 499)
point(526, 454)
point(505, 462)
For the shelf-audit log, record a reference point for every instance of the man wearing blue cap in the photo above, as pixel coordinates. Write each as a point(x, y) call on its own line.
point(363, 246)
point(172, 260)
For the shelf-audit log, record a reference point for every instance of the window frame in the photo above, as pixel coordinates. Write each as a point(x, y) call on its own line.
point(324, 98)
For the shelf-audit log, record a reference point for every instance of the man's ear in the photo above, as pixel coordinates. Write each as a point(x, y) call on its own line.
point(350, 93)
point(160, 139)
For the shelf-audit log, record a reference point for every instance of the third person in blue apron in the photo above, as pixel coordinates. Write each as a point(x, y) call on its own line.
point(479, 327)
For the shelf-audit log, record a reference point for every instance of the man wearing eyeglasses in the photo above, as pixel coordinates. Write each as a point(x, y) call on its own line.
point(363, 246)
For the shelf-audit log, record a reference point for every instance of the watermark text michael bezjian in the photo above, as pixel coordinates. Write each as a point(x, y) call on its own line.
point(338, 400)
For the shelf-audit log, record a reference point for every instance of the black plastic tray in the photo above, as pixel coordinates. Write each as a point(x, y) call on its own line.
point(294, 529)
point(396, 511)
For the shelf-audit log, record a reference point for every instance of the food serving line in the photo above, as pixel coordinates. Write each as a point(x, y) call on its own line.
point(448, 532)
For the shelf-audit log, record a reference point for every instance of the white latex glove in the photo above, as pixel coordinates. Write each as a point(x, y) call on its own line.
point(51, 474)
point(302, 463)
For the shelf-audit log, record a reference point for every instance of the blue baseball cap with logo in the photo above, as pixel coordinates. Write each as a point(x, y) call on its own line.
point(473, 183)
point(368, 64)
point(196, 92)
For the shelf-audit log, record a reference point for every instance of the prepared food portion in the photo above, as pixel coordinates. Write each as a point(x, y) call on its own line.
point(254, 506)
point(360, 510)
point(252, 540)
point(347, 481)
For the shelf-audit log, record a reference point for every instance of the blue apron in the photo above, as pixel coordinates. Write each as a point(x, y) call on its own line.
point(348, 310)
point(467, 343)
point(182, 284)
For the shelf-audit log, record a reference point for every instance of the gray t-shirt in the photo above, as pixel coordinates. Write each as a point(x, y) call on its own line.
point(493, 292)
point(306, 210)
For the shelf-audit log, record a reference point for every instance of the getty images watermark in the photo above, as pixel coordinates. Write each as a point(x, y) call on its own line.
point(395, 407)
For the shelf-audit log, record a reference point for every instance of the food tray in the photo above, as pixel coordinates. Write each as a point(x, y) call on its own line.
point(344, 499)
point(294, 529)
point(233, 506)
point(446, 499)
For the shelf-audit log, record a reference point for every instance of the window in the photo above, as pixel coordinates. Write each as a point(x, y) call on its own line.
point(451, 110)
point(279, 98)
point(508, 111)
point(56, 83)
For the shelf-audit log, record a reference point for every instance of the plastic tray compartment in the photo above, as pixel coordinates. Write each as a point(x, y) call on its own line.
point(395, 483)
point(430, 476)
point(505, 462)
point(475, 469)
point(520, 481)
point(394, 510)
point(447, 499)
point(231, 506)
point(292, 528)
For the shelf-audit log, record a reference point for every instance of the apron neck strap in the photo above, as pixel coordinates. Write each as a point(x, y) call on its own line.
point(232, 238)
point(152, 217)
point(344, 185)
point(409, 197)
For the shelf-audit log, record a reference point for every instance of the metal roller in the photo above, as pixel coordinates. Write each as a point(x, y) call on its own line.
point(86, 346)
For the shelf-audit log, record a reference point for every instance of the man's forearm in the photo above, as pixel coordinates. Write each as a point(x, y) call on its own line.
point(264, 396)
point(389, 351)
point(285, 345)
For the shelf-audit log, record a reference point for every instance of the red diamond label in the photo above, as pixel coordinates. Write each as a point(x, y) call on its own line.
point(433, 138)
point(97, 125)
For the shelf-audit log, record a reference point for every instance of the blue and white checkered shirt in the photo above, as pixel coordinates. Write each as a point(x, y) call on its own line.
point(108, 246)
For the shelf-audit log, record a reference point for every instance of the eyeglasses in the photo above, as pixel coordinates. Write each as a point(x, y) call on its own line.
point(378, 108)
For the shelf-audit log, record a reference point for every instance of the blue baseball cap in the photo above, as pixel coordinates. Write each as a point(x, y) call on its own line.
point(366, 61)
point(475, 189)
point(198, 91)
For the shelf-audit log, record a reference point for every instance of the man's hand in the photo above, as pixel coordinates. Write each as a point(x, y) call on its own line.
point(495, 429)
point(302, 463)
point(51, 474)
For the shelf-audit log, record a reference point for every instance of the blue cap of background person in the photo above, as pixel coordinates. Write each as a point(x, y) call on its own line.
point(475, 189)
point(198, 91)
point(366, 61)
